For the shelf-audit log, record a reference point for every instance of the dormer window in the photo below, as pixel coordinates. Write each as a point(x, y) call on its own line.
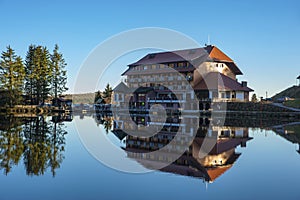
point(151, 56)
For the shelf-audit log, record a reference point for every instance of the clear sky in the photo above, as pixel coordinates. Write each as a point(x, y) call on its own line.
point(262, 37)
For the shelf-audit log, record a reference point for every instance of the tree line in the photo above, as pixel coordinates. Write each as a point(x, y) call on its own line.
point(36, 78)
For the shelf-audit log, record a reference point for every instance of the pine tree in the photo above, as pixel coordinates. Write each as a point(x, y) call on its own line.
point(98, 97)
point(107, 93)
point(12, 75)
point(38, 74)
point(254, 98)
point(45, 73)
point(59, 74)
point(29, 79)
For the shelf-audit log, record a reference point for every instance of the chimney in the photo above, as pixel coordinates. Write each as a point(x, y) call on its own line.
point(244, 83)
point(243, 144)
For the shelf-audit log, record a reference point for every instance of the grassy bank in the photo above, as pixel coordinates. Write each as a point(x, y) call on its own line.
point(293, 103)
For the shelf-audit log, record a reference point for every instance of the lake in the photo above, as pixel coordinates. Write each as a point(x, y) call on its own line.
point(92, 157)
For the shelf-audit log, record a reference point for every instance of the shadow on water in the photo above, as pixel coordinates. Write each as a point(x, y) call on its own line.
point(39, 142)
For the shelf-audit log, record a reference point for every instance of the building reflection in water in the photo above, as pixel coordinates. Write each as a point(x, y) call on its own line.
point(221, 156)
point(38, 141)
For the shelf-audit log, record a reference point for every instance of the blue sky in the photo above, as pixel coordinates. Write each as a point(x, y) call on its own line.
point(262, 37)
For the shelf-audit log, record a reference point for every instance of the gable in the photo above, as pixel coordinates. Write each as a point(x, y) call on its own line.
point(217, 54)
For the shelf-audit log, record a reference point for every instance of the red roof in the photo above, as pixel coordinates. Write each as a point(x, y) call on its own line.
point(218, 81)
point(217, 54)
point(195, 56)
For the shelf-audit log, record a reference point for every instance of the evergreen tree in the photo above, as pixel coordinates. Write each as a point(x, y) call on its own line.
point(254, 98)
point(98, 97)
point(107, 93)
point(45, 74)
point(59, 74)
point(38, 74)
point(12, 75)
point(29, 79)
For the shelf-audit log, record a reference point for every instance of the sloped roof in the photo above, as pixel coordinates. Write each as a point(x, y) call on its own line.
point(143, 90)
point(208, 53)
point(298, 77)
point(218, 81)
point(121, 87)
point(216, 54)
point(171, 56)
point(119, 134)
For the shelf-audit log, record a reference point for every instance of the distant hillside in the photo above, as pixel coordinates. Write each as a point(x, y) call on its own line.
point(86, 98)
point(293, 92)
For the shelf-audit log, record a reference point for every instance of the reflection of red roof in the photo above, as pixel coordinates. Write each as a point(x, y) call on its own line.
point(218, 81)
point(215, 172)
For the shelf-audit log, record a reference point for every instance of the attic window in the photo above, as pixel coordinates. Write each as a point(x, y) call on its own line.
point(192, 51)
point(151, 56)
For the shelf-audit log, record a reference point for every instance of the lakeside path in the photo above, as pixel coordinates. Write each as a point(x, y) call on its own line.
point(286, 107)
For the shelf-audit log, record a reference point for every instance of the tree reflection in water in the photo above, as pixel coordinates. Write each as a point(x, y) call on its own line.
point(39, 141)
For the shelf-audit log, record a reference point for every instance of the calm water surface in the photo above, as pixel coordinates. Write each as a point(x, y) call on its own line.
point(41, 159)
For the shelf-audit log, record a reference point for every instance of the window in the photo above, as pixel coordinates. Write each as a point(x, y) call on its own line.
point(181, 64)
point(151, 56)
point(187, 64)
point(222, 95)
point(171, 65)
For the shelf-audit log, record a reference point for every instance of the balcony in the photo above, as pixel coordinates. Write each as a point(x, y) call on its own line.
point(164, 100)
